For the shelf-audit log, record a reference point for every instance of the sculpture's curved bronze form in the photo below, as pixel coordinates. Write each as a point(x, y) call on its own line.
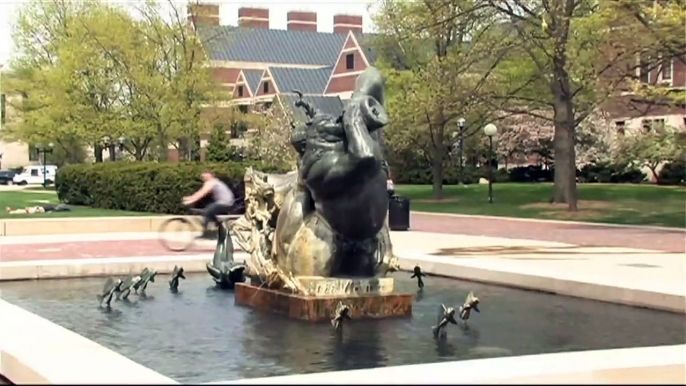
point(330, 217)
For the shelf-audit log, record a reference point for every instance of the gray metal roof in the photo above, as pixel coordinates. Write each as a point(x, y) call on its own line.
point(252, 78)
point(270, 45)
point(325, 104)
point(305, 80)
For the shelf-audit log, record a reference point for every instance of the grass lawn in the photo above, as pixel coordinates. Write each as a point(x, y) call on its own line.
point(21, 199)
point(604, 203)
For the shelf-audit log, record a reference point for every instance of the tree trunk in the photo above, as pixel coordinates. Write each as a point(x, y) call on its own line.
point(438, 156)
point(163, 155)
point(97, 153)
point(437, 176)
point(563, 143)
point(113, 155)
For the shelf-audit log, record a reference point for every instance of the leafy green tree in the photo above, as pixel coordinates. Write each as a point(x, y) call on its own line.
point(571, 57)
point(90, 69)
point(220, 149)
point(437, 55)
point(652, 146)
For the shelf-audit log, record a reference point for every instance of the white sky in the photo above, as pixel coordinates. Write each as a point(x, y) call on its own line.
point(228, 13)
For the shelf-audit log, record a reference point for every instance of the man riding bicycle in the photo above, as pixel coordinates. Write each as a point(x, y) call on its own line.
point(222, 197)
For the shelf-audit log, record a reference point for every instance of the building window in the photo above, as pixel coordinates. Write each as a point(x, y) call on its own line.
point(666, 70)
point(620, 126)
point(350, 61)
point(240, 91)
point(243, 109)
point(643, 70)
point(265, 87)
point(650, 124)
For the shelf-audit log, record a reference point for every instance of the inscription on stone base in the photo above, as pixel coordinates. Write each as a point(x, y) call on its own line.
point(332, 286)
point(317, 309)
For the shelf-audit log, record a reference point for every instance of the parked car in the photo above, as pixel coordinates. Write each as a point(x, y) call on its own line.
point(33, 175)
point(6, 177)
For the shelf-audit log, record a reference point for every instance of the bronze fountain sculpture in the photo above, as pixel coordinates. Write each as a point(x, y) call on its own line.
point(321, 230)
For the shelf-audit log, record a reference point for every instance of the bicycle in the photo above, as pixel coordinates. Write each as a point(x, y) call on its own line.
point(179, 233)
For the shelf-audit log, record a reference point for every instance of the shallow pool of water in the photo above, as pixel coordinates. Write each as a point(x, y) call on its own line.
point(199, 335)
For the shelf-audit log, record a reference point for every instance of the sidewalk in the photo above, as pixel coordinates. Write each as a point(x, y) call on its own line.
point(642, 277)
point(586, 234)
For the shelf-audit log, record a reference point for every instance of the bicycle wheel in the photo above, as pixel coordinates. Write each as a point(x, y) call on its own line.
point(177, 234)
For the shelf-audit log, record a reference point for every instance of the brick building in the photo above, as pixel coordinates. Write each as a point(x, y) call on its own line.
point(256, 63)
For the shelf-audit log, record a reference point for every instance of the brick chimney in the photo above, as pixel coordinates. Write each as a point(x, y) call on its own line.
point(302, 21)
point(253, 17)
point(204, 13)
point(345, 23)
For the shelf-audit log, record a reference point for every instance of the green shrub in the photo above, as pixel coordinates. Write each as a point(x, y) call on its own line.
point(145, 186)
point(610, 173)
point(673, 173)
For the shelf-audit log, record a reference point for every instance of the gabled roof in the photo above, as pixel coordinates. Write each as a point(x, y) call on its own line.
point(325, 104)
point(252, 78)
point(270, 45)
point(305, 80)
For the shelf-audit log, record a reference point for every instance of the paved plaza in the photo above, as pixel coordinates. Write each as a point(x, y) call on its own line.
point(640, 266)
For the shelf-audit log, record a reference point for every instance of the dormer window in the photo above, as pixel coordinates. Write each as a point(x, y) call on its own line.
point(349, 61)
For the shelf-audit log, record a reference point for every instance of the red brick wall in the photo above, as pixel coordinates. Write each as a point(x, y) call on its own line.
point(225, 75)
point(173, 155)
point(253, 17)
point(251, 23)
point(341, 65)
point(260, 89)
point(342, 84)
point(345, 23)
point(350, 43)
point(295, 18)
point(203, 13)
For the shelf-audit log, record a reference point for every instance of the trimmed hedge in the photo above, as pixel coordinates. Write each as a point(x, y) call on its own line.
point(610, 173)
point(145, 186)
point(673, 173)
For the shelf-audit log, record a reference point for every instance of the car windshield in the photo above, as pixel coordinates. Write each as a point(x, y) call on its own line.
point(26, 171)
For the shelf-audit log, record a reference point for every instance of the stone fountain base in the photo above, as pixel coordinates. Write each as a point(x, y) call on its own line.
point(367, 298)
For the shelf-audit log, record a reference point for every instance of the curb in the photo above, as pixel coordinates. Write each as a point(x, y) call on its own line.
point(592, 224)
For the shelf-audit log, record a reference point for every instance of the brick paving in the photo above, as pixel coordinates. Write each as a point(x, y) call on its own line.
point(91, 249)
point(578, 234)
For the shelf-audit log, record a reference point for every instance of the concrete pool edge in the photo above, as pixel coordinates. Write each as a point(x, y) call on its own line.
point(34, 350)
point(452, 268)
point(78, 268)
point(657, 365)
point(544, 281)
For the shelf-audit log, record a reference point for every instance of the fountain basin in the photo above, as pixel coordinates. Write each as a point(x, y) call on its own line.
point(226, 342)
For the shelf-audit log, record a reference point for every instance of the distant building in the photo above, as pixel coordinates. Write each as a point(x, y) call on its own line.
point(256, 63)
point(13, 153)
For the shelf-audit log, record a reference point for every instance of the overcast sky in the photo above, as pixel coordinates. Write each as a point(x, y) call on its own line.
point(228, 12)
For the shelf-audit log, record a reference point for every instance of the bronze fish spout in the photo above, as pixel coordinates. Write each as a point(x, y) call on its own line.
point(471, 303)
point(445, 316)
point(109, 289)
point(147, 276)
point(342, 313)
point(177, 274)
point(418, 274)
point(127, 285)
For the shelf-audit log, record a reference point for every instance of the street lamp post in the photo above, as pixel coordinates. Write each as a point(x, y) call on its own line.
point(490, 130)
point(461, 126)
point(40, 149)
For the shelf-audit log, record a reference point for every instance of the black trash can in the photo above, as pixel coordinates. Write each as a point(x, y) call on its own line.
point(399, 213)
